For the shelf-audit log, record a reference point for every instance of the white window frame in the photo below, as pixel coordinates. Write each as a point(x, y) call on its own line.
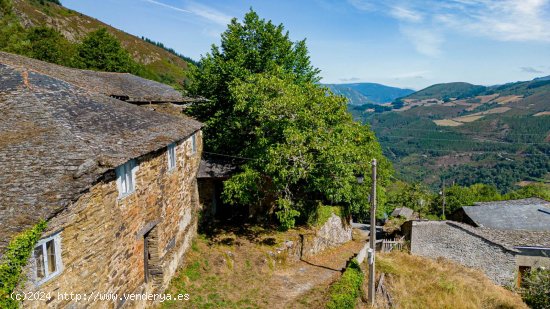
point(126, 178)
point(172, 157)
point(56, 238)
point(194, 143)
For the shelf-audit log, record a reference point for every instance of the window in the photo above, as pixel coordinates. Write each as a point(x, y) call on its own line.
point(171, 156)
point(126, 178)
point(47, 256)
point(194, 143)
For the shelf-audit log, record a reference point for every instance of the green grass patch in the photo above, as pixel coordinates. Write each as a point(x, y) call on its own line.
point(344, 293)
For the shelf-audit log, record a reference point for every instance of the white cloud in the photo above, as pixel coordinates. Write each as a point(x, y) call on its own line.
point(426, 41)
point(405, 14)
point(499, 20)
point(199, 10)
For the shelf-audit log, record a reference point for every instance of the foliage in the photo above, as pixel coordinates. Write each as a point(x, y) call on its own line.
point(533, 190)
point(536, 289)
point(414, 196)
point(321, 214)
point(344, 293)
point(303, 148)
point(102, 51)
point(253, 47)
point(12, 34)
point(48, 44)
point(14, 259)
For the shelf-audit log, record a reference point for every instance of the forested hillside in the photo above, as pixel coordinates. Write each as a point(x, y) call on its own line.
point(46, 30)
point(363, 93)
point(466, 134)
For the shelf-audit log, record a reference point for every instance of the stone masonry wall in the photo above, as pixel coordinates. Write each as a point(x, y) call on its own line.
point(102, 235)
point(331, 234)
point(434, 239)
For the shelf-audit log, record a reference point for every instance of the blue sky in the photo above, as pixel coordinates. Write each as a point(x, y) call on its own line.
point(404, 43)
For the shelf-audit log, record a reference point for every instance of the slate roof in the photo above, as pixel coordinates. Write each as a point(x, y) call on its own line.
point(404, 212)
point(216, 167)
point(531, 214)
point(58, 139)
point(126, 86)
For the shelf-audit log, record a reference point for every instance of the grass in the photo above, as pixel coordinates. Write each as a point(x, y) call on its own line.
point(345, 292)
point(416, 282)
point(239, 269)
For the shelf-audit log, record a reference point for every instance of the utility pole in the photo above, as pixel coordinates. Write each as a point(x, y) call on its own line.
point(372, 236)
point(443, 196)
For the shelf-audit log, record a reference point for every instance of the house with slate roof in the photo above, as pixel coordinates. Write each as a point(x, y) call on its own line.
point(116, 182)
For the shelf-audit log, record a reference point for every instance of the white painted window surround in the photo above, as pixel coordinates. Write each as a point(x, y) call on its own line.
point(47, 257)
point(194, 143)
point(171, 156)
point(126, 178)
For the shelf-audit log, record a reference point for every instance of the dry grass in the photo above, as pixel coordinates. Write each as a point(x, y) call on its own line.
point(416, 282)
point(244, 270)
point(508, 99)
point(542, 114)
point(447, 123)
point(470, 118)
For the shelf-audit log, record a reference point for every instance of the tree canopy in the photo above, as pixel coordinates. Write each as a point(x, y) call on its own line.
point(302, 147)
point(254, 46)
point(102, 51)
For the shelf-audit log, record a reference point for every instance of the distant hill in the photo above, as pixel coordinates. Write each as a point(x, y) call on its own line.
point(363, 93)
point(74, 26)
point(464, 133)
point(446, 91)
point(461, 90)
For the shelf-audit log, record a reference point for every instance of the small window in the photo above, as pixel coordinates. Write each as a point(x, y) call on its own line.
point(171, 156)
point(47, 256)
point(126, 178)
point(194, 143)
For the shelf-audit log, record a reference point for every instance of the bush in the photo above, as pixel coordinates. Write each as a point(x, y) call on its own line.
point(344, 293)
point(536, 289)
point(15, 258)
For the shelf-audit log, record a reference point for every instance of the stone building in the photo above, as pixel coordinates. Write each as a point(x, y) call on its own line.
point(116, 182)
point(531, 214)
point(500, 254)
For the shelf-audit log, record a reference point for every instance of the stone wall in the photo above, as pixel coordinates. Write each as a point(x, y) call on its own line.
point(332, 233)
point(102, 235)
point(434, 239)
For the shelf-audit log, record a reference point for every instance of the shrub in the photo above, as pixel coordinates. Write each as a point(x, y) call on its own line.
point(344, 293)
point(536, 289)
point(15, 258)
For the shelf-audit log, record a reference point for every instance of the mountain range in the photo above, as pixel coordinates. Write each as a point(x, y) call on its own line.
point(368, 93)
point(465, 133)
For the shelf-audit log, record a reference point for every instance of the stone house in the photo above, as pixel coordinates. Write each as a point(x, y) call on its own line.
point(500, 254)
point(116, 182)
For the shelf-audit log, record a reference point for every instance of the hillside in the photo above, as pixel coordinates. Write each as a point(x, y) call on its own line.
point(499, 136)
point(445, 91)
point(363, 93)
point(74, 26)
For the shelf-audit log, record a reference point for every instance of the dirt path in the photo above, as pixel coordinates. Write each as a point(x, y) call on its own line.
point(302, 281)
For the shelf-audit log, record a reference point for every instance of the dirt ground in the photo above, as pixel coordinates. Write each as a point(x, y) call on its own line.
point(244, 270)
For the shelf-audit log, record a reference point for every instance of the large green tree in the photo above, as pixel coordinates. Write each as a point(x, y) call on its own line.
point(102, 51)
point(49, 45)
point(304, 149)
point(253, 46)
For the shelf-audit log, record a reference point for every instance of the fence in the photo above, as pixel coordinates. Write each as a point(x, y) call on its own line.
point(389, 245)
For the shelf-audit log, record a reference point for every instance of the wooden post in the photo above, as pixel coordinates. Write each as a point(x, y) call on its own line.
point(372, 235)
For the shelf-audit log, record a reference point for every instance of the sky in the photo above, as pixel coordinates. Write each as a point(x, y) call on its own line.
point(402, 43)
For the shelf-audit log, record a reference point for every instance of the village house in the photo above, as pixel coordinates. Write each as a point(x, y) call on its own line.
point(116, 182)
point(504, 239)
